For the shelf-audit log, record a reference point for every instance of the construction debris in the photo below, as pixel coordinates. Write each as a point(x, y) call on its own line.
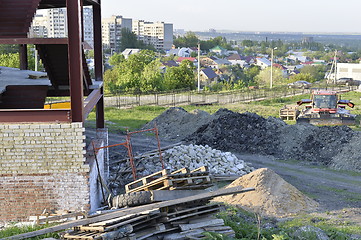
point(179, 209)
point(193, 156)
point(250, 133)
point(273, 195)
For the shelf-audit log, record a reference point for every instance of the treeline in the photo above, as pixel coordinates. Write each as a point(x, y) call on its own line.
point(143, 72)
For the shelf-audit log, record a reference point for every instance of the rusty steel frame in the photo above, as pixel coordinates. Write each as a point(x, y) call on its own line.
point(128, 146)
point(74, 42)
point(35, 115)
point(155, 130)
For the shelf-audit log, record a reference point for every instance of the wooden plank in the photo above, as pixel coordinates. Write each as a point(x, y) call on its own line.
point(194, 214)
point(127, 211)
point(215, 222)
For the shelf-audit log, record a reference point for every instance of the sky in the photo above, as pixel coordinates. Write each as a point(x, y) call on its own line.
point(328, 16)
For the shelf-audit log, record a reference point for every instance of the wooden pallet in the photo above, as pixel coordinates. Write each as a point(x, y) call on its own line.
point(181, 179)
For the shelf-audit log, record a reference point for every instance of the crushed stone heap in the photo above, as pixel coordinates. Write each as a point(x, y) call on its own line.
point(273, 196)
point(195, 156)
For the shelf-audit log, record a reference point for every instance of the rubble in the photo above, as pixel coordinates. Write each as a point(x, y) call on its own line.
point(195, 156)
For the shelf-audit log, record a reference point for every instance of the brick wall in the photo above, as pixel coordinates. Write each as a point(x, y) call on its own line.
point(42, 166)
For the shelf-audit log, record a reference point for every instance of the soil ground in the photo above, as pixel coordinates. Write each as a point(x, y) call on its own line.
point(337, 192)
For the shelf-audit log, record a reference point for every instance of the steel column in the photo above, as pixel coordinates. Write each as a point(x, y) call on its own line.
point(75, 59)
point(98, 58)
point(23, 55)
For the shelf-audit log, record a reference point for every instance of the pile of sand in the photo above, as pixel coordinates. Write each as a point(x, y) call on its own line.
point(273, 195)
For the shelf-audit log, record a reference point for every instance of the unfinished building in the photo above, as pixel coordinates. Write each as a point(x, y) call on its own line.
point(43, 163)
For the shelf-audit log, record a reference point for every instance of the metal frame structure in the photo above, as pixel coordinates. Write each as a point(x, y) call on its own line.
point(16, 17)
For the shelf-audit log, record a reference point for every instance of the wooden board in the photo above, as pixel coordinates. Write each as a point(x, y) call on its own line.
point(127, 211)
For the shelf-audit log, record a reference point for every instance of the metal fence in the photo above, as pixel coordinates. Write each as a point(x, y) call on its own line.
point(179, 98)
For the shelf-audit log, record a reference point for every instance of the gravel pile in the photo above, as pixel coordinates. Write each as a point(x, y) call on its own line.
point(195, 156)
point(336, 146)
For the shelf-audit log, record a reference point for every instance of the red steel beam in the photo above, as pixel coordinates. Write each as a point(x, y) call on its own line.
point(91, 101)
point(23, 55)
point(75, 59)
point(98, 65)
point(35, 115)
point(34, 41)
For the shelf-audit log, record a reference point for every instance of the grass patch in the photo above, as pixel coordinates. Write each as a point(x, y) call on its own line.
point(118, 120)
point(251, 226)
point(14, 230)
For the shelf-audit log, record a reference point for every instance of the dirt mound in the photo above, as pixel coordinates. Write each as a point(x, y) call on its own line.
point(273, 195)
point(243, 132)
point(349, 157)
point(176, 123)
point(250, 133)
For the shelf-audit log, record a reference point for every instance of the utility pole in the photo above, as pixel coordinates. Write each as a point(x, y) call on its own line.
point(199, 67)
point(271, 82)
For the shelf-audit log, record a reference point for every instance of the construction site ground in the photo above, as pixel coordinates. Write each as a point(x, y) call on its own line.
point(337, 192)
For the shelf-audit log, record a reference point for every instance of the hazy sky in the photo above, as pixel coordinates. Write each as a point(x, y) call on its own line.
point(244, 15)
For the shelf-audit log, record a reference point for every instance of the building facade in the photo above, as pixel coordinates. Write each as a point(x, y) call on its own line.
point(111, 31)
point(349, 70)
point(57, 23)
point(157, 34)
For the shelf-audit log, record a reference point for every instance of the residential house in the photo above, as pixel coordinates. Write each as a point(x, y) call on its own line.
point(129, 51)
point(180, 52)
point(235, 59)
point(218, 50)
point(282, 68)
point(192, 59)
point(263, 63)
point(207, 76)
point(214, 62)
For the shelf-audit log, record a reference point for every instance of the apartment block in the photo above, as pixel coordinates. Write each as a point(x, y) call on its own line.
point(53, 24)
point(57, 23)
point(39, 26)
point(111, 31)
point(158, 34)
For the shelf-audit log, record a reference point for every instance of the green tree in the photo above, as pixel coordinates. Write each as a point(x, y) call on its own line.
point(264, 77)
point(302, 77)
point(180, 77)
point(116, 59)
point(190, 39)
point(250, 75)
point(316, 72)
point(10, 60)
point(128, 39)
point(128, 74)
point(152, 77)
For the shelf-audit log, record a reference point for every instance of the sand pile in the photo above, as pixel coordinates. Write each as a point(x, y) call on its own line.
point(273, 195)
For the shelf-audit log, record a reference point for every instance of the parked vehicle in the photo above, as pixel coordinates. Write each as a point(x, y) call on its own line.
point(300, 84)
point(347, 82)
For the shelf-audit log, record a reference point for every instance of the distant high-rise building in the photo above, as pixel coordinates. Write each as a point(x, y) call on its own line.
point(53, 24)
point(39, 27)
point(57, 23)
point(111, 31)
point(158, 34)
point(88, 26)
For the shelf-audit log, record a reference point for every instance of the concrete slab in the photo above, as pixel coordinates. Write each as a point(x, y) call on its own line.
point(14, 76)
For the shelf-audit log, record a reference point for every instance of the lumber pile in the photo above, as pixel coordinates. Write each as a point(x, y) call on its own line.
point(181, 221)
point(165, 207)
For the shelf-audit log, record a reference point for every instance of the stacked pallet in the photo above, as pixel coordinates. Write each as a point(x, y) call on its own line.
point(182, 179)
point(182, 221)
point(179, 221)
